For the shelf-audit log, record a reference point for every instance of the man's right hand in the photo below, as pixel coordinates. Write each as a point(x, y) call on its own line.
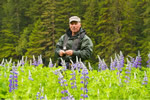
point(62, 53)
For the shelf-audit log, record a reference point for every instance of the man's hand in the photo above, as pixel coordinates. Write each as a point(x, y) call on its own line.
point(62, 52)
point(69, 52)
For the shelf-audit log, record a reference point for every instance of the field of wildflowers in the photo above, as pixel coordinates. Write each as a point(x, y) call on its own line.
point(119, 80)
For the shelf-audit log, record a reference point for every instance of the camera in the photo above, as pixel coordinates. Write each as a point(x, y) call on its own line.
point(64, 48)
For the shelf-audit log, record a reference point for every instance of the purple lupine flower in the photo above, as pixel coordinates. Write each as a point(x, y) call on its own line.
point(40, 61)
point(78, 65)
point(30, 76)
point(73, 83)
point(121, 59)
point(137, 62)
point(84, 81)
point(63, 84)
point(63, 64)
point(118, 66)
point(37, 95)
point(35, 63)
point(13, 80)
point(50, 63)
point(112, 64)
point(145, 80)
point(100, 63)
point(41, 97)
point(128, 71)
point(148, 62)
point(22, 61)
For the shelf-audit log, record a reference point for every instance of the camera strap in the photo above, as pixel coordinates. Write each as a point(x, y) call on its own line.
point(76, 41)
point(65, 42)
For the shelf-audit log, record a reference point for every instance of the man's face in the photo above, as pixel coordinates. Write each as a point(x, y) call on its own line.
point(74, 26)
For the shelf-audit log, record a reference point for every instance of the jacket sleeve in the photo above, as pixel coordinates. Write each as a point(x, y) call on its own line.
point(86, 49)
point(59, 46)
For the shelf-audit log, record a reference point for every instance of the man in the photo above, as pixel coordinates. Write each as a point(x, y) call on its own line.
point(74, 43)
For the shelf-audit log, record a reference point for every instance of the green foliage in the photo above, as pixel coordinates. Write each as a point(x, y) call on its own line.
point(101, 85)
point(113, 26)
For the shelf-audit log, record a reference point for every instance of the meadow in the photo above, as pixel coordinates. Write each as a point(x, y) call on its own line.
point(31, 80)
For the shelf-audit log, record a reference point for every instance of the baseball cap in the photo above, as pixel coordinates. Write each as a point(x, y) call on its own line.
point(74, 18)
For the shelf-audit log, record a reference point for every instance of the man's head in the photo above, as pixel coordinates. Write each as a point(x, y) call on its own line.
point(74, 23)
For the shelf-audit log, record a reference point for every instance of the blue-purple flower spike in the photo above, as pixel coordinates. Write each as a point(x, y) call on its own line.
point(73, 78)
point(63, 64)
point(35, 63)
point(112, 64)
point(128, 71)
point(63, 84)
point(137, 62)
point(30, 76)
point(148, 61)
point(84, 81)
point(50, 63)
point(13, 82)
point(145, 80)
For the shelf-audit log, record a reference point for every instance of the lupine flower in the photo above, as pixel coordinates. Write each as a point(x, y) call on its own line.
point(40, 61)
point(65, 92)
point(128, 71)
point(145, 80)
point(118, 65)
point(90, 68)
point(121, 59)
point(13, 80)
point(102, 65)
point(73, 74)
point(50, 63)
point(84, 81)
point(2, 63)
point(112, 64)
point(35, 63)
point(137, 62)
point(73, 83)
point(119, 74)
point(22, 61)
point(30, 76)
point(56, 72)
point(39, 95)
point(148, 62)
point(77, 65)
point(63, 84)
point(63, 64)
point(100, 62)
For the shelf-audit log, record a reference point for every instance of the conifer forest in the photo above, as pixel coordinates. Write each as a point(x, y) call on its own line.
point(33, 27)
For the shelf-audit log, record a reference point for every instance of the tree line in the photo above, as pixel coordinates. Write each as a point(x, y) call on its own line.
point(33, 27)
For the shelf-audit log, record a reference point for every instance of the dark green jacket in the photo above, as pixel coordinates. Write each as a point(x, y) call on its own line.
point(84, 49)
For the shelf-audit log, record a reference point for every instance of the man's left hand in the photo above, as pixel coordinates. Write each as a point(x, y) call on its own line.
point(69, 52)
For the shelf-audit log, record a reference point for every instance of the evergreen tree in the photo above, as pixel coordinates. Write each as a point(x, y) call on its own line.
point(35, 41)
point(116, 22)
point(90, 23)
point(144, 28)
point(41, 40)
point(10, 29)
